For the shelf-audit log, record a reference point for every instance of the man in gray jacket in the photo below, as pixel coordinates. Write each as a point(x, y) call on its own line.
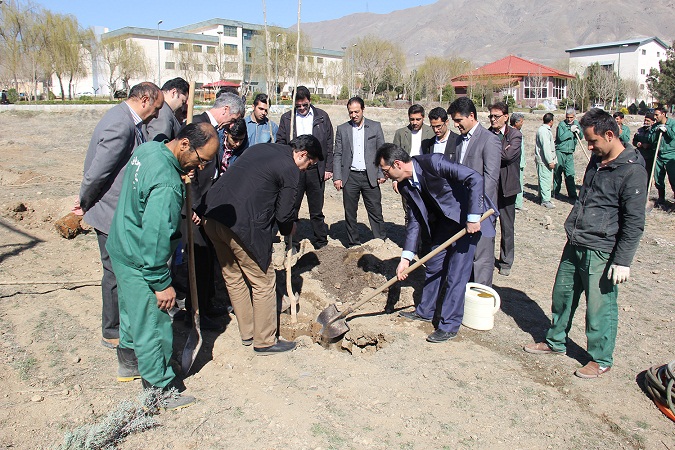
point(115, 137)
point(166, 126)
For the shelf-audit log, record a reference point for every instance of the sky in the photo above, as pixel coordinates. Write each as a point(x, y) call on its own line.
point(146, 13)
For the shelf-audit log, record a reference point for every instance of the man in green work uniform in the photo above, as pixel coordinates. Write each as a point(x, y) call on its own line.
point(517, 120)
point(545, 158)
point(566, 137)
point(598, 253)
point(665, 161)
point(624, 137)
point(143, 235)
point(643, 142)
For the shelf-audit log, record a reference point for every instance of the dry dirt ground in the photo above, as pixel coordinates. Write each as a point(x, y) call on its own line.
point(391, 390)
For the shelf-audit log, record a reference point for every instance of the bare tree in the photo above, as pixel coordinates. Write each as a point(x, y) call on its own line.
point(631, 88)
point(11, 29)
point(437, 72)
point(335, 75)
point(186, 58)
point(314, 72)
point(373, 57)
point(225, 59)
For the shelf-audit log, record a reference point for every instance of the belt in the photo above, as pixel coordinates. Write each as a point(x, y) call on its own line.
point(354, 170)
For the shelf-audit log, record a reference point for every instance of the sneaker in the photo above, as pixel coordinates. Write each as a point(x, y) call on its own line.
point(521, 209)
point(591, 370)
point(127, 365)
point(542, 348)
point(280, 347)
point(441, 336)
point(548, 205)
point(180, 402)
point(505, 271)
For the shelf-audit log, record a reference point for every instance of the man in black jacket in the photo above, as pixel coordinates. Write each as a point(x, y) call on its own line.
point(242, 207)
point(311, 120)
point(603, 233)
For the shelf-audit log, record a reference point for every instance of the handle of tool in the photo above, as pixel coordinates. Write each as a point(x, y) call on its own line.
point(588, 157)
point(426, 258)
point(194, 299)
point(651, 174)
point(289, 285)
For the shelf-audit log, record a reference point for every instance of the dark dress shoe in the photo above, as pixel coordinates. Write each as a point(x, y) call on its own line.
point(412, 315)
point(441, 336)
point(279, 347)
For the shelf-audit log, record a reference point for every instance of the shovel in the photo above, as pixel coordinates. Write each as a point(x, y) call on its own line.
point(333, 321)
point(290, 296)
point(194, 340)
point(650, 203)
point(588, 157)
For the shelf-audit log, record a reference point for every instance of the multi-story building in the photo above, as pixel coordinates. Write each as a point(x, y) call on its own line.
point(213, 50)
point(631, 59)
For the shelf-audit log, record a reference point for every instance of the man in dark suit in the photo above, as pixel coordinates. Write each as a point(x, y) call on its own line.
point(444, 140)
point(480, 150)
point(311, 120)
point(443, 197)
point(355, 171)
point(114, 139)
point(509, 181)
point(242, 209)
point(166, 126)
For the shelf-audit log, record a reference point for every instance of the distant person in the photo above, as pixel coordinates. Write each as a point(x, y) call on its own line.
point(517, 120)
point(4, 100)
point(143, 235)
point(479, 149)
point(598, 253)
point(355, 171)
point(566, 136)
point(665, 161)
point(444, 140)
point(261, 129)
point(115, 138)
point(166, 126)
point(242, 209)
point(509, 182)
point(623, 128)
point(410, 137)
point(545, 158)
point(315, 121)
point(643, 141)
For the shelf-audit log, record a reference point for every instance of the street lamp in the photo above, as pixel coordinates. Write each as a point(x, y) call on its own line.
point(414, 78)
point(353, 79)
point(618, 75)
point(276, 69)
point(159, 67)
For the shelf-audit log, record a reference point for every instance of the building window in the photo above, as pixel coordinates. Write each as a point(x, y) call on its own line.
point(559, 88)
point(319, 60)
point(169, 65)
point(183, 47)
point(320, 91)
point(198, 85)
point(197, 48)
point(168, 46)
point(231, 67)
point(644, 52)
point(301, 59)
point(229, 31)
point(230, 49)
point(248, 34)
point(642, 87)
point(199, 67)
point(310, 59)
point(642, 71)
point(211, 67)
point(249, 54)
point(210, 49)
point(658, 54)
point(535, 87)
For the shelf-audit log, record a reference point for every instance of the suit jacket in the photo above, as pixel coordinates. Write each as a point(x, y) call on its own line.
point(322, 129)
point(260, 192)
point(164, 127)
point(403, 137)
point(373, 138)
point(455, 190)
point(483, 154)
point(509, 173)
point(112, 143)
point(450, 146)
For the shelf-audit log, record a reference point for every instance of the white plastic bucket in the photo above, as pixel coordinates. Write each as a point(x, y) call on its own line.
point(481, 303)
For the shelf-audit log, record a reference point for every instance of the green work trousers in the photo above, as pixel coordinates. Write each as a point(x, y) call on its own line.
point(565, 165)
point(665, 165)
point(519, 197)
point(143, 326)
point(545, 181)
point(584, 270)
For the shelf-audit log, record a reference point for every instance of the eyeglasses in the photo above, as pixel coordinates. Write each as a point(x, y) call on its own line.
point(385, 170)
point(301, 105)
point(438, 127)
point(201, 161)
point(495, 116)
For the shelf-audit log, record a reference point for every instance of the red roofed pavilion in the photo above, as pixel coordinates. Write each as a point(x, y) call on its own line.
point(528, 82)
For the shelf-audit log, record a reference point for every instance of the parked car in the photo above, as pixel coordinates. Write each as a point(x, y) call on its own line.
point(120, 94)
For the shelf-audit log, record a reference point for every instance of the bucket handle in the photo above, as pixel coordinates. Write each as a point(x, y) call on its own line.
point(495, 295)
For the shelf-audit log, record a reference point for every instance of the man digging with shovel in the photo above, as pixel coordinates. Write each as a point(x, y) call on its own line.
point(143, 236)
point(443, 197)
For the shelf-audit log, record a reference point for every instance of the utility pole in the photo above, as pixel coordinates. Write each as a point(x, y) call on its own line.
point(159, 67)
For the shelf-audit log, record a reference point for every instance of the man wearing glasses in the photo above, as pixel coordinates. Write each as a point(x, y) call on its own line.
point(445, 139)
point(566, 137)
point(509, 181)
point(313, 121)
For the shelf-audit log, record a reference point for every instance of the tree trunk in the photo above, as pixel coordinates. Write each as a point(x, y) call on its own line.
point(63, 94)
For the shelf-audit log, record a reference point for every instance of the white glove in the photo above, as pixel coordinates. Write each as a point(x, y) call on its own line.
point(618, 274)
point(574, 128)
point(662, 128)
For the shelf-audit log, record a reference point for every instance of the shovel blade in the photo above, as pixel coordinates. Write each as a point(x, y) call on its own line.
point(328, 315)
point(333, 326)
point(192, 346)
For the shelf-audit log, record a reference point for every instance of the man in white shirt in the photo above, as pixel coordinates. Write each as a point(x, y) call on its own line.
point(410, 138)
point(444, 141)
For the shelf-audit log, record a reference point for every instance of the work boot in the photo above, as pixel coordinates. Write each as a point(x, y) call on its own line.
point(662, 197)
point(172, 402)
point(127, 365)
